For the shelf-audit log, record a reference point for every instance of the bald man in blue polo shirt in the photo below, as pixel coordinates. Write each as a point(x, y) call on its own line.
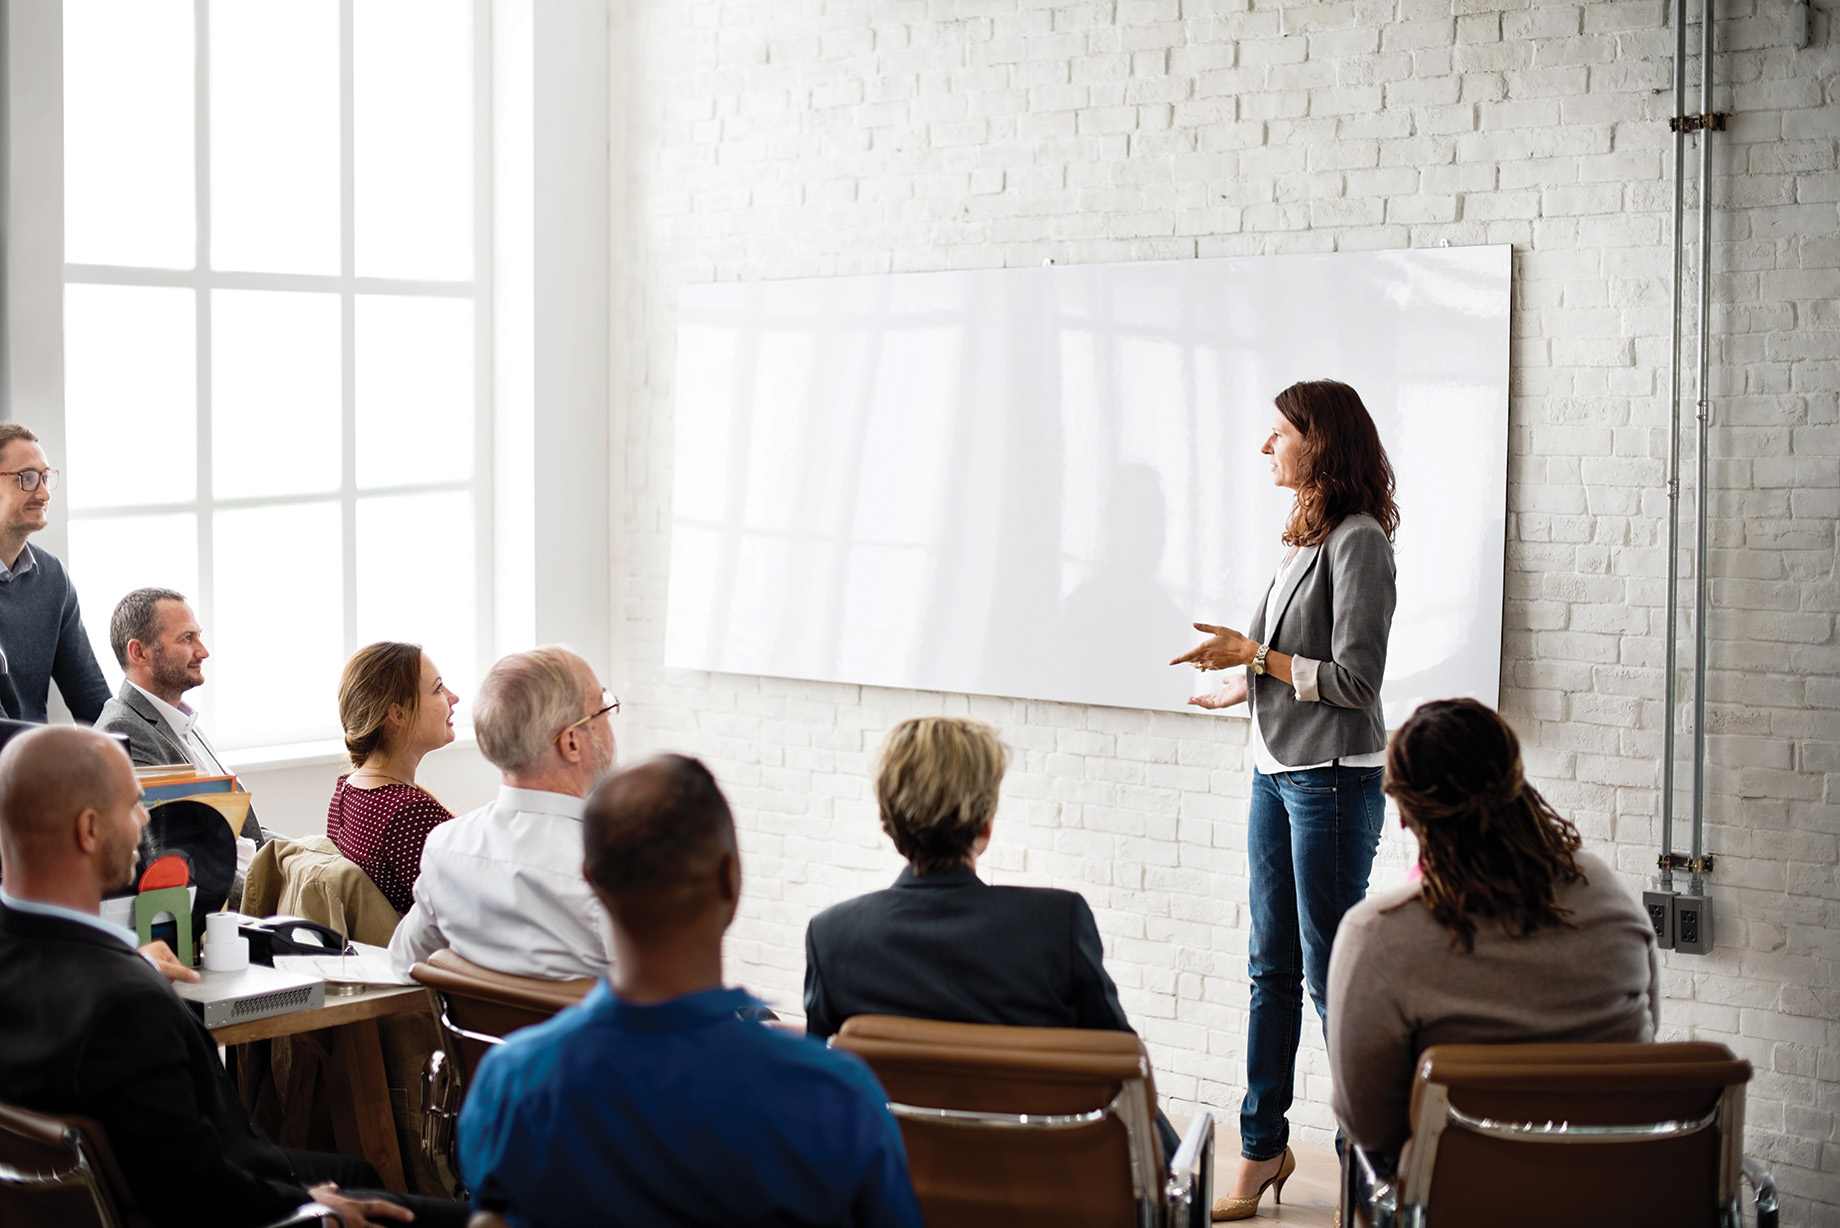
point(654, 1102)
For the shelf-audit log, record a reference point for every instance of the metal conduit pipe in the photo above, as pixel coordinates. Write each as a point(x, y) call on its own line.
point(1696, 883)
point(1672, 632)
point(1705, 122)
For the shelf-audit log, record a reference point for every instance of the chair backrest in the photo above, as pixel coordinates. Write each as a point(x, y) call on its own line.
point(478, 1007)
point(56, 1172)
point(1575, 1134)
point(1019, 1126)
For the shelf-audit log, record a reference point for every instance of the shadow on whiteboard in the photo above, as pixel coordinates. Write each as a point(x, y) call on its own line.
point(1029, 482)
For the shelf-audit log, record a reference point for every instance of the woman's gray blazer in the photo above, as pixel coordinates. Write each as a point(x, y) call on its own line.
point(1336, 607)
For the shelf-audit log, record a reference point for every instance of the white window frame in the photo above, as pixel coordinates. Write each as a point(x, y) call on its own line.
point(202, 279)
point(552, 113)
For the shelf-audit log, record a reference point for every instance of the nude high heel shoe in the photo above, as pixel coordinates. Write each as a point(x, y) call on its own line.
point(1246, 1208)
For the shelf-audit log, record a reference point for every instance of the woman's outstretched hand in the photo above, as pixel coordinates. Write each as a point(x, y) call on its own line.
point(1224, 649)
point(1232, 693)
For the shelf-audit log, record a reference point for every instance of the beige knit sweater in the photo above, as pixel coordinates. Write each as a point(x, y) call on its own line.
point(1397, 986)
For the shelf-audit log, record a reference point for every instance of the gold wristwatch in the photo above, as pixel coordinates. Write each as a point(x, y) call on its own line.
point(1258, 659)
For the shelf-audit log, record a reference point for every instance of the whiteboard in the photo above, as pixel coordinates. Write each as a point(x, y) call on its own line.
point(1029, 482)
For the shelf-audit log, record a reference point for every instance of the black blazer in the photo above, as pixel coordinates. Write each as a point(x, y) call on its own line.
point(947, 946)
point(88, 1028)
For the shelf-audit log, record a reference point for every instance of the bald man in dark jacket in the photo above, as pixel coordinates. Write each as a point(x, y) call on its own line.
point(89, 1028)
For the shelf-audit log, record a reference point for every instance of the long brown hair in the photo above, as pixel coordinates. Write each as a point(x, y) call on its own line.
point(378, 677)
point(1488, 844)
point(1343, 469)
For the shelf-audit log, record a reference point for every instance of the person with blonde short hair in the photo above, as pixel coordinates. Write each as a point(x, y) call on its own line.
point(942, 943)
point(502, 886)
point(937, 787)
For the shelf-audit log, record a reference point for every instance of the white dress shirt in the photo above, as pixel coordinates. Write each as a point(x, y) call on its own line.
point(183, 722)
point(502, 887)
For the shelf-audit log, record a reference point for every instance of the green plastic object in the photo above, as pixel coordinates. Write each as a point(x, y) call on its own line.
point(174, 900)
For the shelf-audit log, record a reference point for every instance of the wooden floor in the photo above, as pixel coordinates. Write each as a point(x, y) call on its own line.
point(1309, 1196)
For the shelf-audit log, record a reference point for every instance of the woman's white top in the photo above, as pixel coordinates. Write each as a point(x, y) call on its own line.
point(1303, 682)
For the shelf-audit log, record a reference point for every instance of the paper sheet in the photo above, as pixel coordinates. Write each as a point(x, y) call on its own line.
point(370, 966)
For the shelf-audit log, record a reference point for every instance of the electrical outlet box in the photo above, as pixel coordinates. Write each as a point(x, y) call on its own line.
point(1693, 924)
point(1660, 908)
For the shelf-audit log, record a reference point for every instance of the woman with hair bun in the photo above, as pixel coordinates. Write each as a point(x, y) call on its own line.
point(394, 708)
point(1512, 933)
point(1313, 660)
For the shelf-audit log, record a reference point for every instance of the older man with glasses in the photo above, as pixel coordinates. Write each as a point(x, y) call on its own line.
point(503, 886)
point(41, 629)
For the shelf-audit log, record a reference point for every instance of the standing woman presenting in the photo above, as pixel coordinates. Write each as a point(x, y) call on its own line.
point(1314, 656)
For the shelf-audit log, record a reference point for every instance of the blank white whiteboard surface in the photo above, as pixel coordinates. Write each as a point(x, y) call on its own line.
point(1029, 482)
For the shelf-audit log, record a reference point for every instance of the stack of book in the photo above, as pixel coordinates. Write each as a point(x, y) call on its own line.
point(173, 782)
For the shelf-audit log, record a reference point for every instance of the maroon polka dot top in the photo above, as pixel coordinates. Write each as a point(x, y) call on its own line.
point(383, 831)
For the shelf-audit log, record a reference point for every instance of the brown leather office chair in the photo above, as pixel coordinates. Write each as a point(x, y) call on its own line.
point(58, 1172)
point(1033, 1126)
point(1580, 1135)
point(476, 1008)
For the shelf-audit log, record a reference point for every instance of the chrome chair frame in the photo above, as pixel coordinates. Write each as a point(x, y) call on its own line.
point(443, 1084)
point(80, 1172)
point(83, 1171)
point(1400, 1201)
point(1185, 1193)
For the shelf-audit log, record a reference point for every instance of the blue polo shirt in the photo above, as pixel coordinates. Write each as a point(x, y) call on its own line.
point(679, 1114)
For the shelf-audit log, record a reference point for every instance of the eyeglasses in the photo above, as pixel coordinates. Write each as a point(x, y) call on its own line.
point(609, 703)
point(29, 479)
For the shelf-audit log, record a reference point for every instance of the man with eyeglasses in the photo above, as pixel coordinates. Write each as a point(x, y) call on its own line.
point(503, 886)
point(42, 639)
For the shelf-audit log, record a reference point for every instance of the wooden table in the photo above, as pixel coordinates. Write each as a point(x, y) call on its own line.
point(357, 1086)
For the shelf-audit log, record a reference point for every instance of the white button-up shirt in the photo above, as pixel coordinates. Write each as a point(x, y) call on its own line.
point(502, 887)
point(183, 722)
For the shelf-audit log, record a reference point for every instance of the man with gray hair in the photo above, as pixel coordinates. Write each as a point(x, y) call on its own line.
point(503, 886)
point(160, 646)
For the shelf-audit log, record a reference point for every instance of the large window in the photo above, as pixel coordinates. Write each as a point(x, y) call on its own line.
point(276, 336)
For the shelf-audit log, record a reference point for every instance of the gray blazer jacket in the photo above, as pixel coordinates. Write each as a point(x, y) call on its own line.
point(151, 740)
point(1336, 607)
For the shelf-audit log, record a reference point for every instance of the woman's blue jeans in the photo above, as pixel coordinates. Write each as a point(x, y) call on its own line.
point(1310, 843)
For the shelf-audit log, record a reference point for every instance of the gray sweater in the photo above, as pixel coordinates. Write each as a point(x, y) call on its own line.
point(1397, 987)
point(41, 632)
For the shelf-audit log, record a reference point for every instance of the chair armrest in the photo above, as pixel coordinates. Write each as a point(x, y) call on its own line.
point(1763, 1186)
point(1189, 1193)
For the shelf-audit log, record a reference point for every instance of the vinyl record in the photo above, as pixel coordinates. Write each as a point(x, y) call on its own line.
point(199, 832)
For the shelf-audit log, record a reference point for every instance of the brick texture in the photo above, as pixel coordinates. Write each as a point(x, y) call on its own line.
point(799, 138)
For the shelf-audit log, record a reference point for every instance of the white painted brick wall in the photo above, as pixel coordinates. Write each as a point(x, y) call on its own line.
point(820, 137)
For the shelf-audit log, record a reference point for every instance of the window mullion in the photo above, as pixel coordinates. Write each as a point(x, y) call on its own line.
point(485, 511)
point(201, 293)
point(348, 373)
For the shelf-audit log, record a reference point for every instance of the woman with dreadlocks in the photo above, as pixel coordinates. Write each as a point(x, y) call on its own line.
point(1511, 933)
